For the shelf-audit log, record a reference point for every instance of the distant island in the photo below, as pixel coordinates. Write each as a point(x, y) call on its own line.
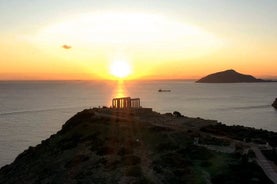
point(107, 145)
point(229, 76)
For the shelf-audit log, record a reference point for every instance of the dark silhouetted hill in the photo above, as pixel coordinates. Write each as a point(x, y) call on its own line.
point(127, 147)
point(229, 76)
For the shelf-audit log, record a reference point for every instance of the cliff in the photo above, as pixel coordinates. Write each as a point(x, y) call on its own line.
point(107, 146)
point(229, 76)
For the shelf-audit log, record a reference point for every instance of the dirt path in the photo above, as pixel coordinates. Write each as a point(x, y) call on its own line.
point(265, 165)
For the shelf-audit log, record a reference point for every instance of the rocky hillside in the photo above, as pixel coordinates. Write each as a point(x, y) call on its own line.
point(228, 76)
point(94, 147)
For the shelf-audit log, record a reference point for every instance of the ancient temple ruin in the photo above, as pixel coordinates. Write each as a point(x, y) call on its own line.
point(126, 103)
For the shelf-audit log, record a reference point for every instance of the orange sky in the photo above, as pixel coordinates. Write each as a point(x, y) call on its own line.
point(156, 44)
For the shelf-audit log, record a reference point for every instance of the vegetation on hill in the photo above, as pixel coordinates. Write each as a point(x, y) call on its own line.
point(243, 133)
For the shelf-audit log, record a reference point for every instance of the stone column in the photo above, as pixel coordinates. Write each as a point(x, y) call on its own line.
point(118, 103)
point(129, 103)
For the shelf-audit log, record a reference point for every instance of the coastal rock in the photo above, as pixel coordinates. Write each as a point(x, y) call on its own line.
point(275, 103)
point(110, 146)
point(229, 76)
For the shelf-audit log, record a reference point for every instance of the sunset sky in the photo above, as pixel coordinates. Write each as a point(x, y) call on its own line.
point(176, 39)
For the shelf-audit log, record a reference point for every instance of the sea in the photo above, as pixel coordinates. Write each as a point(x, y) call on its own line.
point(31, 111)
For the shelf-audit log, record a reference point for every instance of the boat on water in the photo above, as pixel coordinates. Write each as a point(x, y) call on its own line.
point(164, 90)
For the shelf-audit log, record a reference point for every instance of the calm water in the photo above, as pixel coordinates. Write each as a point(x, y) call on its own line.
point(32, 111)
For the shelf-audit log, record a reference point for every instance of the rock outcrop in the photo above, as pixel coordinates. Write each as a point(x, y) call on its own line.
point(229, 76)
point(275, 103)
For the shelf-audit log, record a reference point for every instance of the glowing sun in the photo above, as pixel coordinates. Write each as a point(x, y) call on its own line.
point(120, 69)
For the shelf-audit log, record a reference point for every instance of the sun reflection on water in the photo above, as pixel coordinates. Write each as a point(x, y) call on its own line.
point(120, 90)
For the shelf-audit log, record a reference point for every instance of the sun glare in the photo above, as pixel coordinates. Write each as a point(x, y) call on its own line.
point(142, 36)
point(141, 32)
point(120, 69)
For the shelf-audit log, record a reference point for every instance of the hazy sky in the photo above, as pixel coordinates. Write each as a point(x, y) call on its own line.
point(159, 39)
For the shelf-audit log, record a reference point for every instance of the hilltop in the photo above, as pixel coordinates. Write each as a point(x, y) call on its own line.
point(103, 145)
point(229, 76)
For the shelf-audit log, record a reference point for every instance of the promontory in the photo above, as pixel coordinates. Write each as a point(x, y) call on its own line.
point(106, 145)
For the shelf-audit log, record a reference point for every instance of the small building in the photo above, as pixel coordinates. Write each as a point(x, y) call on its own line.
point(126, 103)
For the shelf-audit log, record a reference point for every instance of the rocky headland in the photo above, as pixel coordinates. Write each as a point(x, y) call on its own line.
point(229, 76)
point(275, 103)
point(103, 145)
